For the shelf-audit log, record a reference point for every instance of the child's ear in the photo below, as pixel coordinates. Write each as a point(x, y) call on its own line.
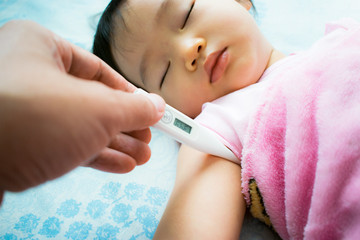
point(247, 4)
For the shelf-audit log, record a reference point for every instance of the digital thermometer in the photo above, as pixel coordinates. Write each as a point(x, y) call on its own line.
point(187, 131)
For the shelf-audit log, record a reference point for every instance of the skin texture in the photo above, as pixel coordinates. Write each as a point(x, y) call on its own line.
point(162, 39)
point(61, 107)
point(206, 202)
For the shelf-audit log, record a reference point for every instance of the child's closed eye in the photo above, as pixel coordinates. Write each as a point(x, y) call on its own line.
point(188, 14)
point(164, 76)
point(183, 26)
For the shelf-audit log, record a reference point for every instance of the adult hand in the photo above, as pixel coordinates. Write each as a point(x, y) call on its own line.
point(61, 107)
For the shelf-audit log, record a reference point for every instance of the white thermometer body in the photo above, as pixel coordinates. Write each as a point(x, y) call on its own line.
point(187, 131)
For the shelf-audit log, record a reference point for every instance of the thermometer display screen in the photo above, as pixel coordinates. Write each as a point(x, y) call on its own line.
point(183, 126)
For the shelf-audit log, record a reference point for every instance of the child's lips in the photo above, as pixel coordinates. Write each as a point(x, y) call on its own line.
point(215, 64)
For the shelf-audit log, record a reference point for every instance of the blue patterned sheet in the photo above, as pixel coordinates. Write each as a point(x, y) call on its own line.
point(89, 204)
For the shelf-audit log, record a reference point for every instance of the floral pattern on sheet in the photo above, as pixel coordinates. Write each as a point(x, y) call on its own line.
point(108, 214)
point(90, 204)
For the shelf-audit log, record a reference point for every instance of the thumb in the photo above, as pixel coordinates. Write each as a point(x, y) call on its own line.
point(112, 110)
point(134, 111)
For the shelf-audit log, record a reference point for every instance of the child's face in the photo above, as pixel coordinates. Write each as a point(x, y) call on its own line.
point(189, 51)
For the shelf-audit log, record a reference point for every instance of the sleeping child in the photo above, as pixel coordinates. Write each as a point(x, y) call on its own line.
point(292, 121)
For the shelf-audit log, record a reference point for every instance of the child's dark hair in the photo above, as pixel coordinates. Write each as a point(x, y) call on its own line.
point(103, 35)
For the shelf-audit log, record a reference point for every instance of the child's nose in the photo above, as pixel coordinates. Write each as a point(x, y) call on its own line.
point(192, 53)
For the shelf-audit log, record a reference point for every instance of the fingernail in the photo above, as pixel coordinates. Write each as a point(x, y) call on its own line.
point(157, 101)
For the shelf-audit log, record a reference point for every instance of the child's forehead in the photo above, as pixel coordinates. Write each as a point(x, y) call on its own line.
point(136, 21)
point(144, 9)
point(131, 21)
point(134, 28)
point(137, 17)
point(149, 10)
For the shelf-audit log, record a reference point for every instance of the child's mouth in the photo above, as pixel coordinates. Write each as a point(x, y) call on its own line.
point(215, 64)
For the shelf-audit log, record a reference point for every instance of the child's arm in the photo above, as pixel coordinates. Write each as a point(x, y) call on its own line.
point(206, 202)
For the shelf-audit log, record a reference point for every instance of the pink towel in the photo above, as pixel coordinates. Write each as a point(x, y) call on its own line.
point(303, 144)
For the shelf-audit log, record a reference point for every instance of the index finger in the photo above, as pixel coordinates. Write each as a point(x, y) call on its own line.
point(83, 64)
